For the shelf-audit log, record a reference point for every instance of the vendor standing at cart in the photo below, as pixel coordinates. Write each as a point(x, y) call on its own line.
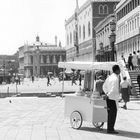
point(111, 89)
point(99, 85)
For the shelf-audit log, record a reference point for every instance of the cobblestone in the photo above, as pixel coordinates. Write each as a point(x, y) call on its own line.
point(32, 118)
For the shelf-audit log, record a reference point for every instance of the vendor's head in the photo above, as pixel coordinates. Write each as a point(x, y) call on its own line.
point(116, 69)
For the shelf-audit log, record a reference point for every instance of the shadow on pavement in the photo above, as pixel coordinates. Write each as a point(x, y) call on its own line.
point(121, 132)
point(132, 109)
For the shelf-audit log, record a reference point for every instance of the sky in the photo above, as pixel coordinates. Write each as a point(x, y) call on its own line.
point(22, 20)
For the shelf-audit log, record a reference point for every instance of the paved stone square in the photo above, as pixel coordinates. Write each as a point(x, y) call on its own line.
point(32, 118)
point(39, 86)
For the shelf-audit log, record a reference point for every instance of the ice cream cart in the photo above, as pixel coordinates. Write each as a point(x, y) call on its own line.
point(81, 106)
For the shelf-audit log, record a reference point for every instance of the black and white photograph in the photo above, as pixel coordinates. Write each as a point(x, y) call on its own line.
point(70, 70)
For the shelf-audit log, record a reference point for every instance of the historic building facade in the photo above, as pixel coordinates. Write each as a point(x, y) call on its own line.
point(8, 67)
point(40, 58)
point(128, 27)
point(80, 32)
point(105, 39)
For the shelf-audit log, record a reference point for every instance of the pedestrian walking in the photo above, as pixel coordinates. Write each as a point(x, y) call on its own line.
point(80, 79)
point(135, 60)
point(130, 64)
point(73, 79)
point(125, 91)
point(13, 80)
point(19, 80)
point(16, 80)
point(48, 80)
point(123, 59)
point(138, 81)
point(32, 79)
point(111, 89)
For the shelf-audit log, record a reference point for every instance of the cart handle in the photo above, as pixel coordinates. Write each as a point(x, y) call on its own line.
point(102, 107)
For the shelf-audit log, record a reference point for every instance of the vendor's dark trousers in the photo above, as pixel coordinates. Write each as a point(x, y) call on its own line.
point(112, 113)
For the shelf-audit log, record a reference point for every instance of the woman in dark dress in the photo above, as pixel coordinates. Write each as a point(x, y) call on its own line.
point(125, 90)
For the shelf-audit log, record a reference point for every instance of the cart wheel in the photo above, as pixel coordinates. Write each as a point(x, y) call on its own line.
point(76, 120)
point(98, 124)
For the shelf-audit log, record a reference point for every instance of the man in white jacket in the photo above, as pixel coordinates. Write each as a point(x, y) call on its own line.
point(111, 89)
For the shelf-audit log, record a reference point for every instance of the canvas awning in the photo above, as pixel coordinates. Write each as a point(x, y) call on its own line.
point(79, 65)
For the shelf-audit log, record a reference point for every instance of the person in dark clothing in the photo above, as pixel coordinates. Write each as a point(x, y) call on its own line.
point(16, 80)
point(48, 80)
point(80, 79)
point(138, 81)
point(73, 79)
point(130, 64)
point(32, 78)
point(19, 80)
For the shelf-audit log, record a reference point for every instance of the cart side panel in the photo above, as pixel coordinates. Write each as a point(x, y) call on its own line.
point(81, 104)
point(99, 112)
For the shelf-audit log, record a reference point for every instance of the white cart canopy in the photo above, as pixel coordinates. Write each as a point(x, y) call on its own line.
point(79, 65)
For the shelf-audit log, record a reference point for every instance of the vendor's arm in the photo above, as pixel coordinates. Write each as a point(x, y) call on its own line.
point(105, 89)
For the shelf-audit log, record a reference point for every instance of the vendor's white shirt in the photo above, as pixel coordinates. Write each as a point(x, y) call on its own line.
point(111, 87)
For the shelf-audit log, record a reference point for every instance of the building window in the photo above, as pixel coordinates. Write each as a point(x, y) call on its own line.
point(114, 7)
point(67, 39)
point(74, 33)
point(105, 9)
point(101, 9)
point(128, 26)
point(70, 38)
point(136, 3)
point(135, 23)
point(79, 32)
point(31, 59)
point(138, 21)
point(132, 24)
point(89, 32)
point(138, 43)
point(83, 31)
point(44, 59)
point(132, 4)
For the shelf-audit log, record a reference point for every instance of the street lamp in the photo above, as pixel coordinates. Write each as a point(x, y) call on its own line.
point(112, 39)
point(76, 44)
point(101, 51)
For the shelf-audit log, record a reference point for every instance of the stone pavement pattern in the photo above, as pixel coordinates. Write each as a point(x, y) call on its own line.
point(32, 118)
point(39, 86)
